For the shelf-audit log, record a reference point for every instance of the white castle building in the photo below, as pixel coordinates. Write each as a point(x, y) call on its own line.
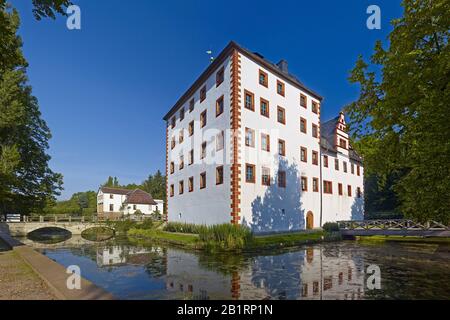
point(245, 144)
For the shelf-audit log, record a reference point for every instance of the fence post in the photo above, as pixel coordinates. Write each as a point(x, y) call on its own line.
point(70, 218)
point(41, 219)
point(82, 219)
point(56, 218)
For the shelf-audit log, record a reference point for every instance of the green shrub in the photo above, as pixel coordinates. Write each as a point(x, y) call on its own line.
point(183, 227)
point(226, 236)
point(330, 227)
point(146, 224)
point(122, 226)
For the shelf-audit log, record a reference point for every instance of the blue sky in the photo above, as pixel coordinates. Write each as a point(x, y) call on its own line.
point(104, 89)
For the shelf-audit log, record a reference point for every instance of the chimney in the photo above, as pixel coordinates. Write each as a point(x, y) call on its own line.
point(283, 65)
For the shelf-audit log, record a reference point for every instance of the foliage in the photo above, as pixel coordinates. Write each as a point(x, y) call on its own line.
point(183, 227)
point(81, 203)
point(98, 234)
point(380, 198)
point(49, 8)
point(146, 224)
point(226, 236)
point(122, 226)
point(330, 226)
point(400, 120)
point(26, 181)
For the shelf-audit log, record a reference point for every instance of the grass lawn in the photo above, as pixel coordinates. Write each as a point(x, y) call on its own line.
point(190, 240)
point(287, 239)
point(403, 239)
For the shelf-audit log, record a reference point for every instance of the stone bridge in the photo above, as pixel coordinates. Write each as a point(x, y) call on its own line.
point(21, 229)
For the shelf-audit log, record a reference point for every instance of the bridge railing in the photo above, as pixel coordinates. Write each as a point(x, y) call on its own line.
point(394, 224)
point(59, 218)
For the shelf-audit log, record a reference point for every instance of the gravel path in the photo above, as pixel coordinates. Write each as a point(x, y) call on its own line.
point(19, 282)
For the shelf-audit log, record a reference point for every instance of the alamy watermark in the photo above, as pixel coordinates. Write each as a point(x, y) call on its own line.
point(74, 280)
point(73, 17)
point(374, 20)
point(373, 281)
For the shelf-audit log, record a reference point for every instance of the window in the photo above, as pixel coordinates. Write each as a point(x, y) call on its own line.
point(111, 207)
point(263, 78)
point(191, 105)
point(181, 114)
point(191, 184)
point(282, 179)
point(181, 137)
point(265, 142)
point(181, 162)
point(327, 187)
point(219, 76)
point(134, 207)
point(111, 196)
point(336, 164)
point(358, 192)
point(181, 187)
point(316, 184)
point(249, 100)
point(249, 137)
point(325, 161)
point(219, 175)
point(173, 121)
point(264, 107)
point(349, 190)
point(343, 143)
point(345, 166)
point(173, 143)
point(281, 147)
point(265, 176)
point(303, 154)
point(314, 107)
point(304, 184)
point(315, 131)
point(202, 93)
point(219, 141)
point(340, 189)
point(191, 128)
point(191, 156)
point(281, 115)
point(203, 119)
point(219, 106)
point(303, 101)
point(303, 125)
point(172, 190)
point(250, 173)
point(280, 88)
point(315, 158)
point(352, 167)
point(357, 170)
point(203, 151)
point(172, 167)
point(202, 180)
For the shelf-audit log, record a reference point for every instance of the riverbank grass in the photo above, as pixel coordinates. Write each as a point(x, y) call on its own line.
point(376, 239)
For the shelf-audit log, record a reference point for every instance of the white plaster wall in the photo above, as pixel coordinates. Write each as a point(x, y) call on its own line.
point(289, 198)
point(336, 207)
point(116, 201)
point(210, 205)
point(146, 209)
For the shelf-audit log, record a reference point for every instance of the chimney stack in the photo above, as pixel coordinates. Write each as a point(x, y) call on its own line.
point(283, 65)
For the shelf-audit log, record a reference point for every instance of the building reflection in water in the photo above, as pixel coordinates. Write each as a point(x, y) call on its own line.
point(310, 273)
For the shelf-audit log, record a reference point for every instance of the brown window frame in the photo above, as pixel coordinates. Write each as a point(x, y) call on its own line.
point(358, 172)
point(303, 120)
point(340, 189)
point(182, 112)
point(315, 185)
point(261, 100)
point(181, 136)
point(220, 76)
point(305, 158)
point(220, 137)
point(218, 111)
point(327, 187)
point(344, 166)
point(252, 145)
point(191, 157)
point(266, 78)
point(336, 164)
point(172, 167)
point(248, 165)
point(250, 94)
point(349, 190)
point(267, 183)
point(219, 179)
point(325, 161)
point(191, 105)
point(315, 130)
point(190, 184)
point(203, 147)
point(191, 128)
point(181, 162)
point(267, 138)
point(316, 161)
point(172, 190)
point(283, 143)
point(314, 107)
point(203, 93)
point(304, 183)
point(181, 187)
point(203, 119)
point(173, 121)
point(352, 168)
point(283, 110)
point(306, 101)
point(203, 179)
point(358, 192)
point(283, 88)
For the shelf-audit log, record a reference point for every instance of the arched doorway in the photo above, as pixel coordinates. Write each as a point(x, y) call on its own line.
point(309, 220)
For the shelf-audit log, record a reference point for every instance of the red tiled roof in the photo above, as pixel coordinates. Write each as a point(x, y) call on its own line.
point(140, 197)
point(115, 190)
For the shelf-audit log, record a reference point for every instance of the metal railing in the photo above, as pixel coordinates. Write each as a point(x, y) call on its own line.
point(394, 224)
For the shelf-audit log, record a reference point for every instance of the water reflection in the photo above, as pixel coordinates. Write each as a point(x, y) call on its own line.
point(327, 271)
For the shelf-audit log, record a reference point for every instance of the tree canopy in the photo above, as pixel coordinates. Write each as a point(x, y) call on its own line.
point(400, 121)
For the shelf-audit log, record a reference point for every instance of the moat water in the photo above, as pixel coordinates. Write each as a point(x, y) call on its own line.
point(130, 270)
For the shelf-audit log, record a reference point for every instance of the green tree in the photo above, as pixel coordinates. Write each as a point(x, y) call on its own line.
point(400, 120)
point(26, 181)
